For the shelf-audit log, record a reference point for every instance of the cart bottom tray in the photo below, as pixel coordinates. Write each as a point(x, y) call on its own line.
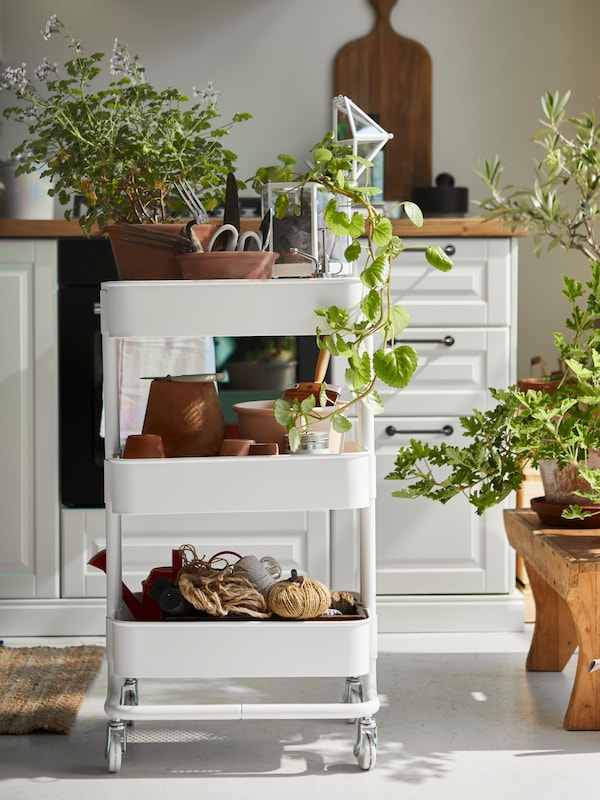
point(324, 647)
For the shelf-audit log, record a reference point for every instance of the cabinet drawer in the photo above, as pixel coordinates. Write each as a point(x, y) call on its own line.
point(456, 368)
point(424, 547)
point(477, 291)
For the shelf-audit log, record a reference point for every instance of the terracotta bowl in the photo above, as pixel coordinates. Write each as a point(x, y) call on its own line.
point(226, 265)
point(257, 422)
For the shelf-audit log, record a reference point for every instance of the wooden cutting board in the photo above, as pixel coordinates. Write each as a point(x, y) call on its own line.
point(389, 77)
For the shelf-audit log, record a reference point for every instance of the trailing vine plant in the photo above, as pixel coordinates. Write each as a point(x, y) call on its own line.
point(366, 336)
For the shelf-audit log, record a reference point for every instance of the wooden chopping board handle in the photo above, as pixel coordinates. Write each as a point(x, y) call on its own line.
point(383, 7)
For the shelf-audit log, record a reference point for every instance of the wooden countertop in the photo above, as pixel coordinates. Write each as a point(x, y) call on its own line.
point(445, 227)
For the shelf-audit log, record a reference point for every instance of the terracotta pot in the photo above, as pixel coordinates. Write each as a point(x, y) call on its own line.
point(187, 415)
point(227, 265)
point(560, 485)
point(235, 447)
point(144, 445)
point(538, 384)
point(138, 259)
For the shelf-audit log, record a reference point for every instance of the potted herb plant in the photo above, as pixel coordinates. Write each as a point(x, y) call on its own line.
point(365, 336)
point(126, 146)
point(557, 426)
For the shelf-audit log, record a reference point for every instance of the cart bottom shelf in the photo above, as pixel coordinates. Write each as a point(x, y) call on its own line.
point(243, 649)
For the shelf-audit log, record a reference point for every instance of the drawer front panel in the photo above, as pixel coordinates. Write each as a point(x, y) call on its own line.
point(456, 368)
point(424, 547)
point(476, 291)
point(454, 373)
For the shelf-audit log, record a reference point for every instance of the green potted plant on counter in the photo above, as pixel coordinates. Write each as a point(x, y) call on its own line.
point(366, 337)
point(125, 146)
point(556, 428)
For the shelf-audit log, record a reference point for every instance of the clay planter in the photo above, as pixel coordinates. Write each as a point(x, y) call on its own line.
point(560, 485)
point(227, 265)
point(187, 415)
point(549, 385)
point(138, 259)
point(144, 445)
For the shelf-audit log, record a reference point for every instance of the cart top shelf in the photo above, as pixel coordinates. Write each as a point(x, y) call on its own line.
point(222, 308)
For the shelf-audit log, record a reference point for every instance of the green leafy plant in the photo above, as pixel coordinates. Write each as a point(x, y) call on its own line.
point(365, 336)
point(123, 147)
point(560, 209)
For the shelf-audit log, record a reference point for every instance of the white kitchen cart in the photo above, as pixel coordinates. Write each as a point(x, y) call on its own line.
point(206, 649)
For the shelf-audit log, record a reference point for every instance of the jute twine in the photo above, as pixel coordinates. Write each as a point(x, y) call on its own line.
point(298, 598)
point(212, 587)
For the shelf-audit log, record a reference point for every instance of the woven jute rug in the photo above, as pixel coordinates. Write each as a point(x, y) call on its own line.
point(42, 688)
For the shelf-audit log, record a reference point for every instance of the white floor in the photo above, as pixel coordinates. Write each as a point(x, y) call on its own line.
point(461, 719)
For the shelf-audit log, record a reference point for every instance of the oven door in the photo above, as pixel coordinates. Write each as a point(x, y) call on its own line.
point(82, 265)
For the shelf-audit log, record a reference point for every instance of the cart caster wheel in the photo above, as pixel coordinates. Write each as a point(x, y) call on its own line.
point(365, 749)
point(116, 744)
point(129, 695)
point(353, 694)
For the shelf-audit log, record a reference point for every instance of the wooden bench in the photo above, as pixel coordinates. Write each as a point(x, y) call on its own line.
point(564, 572)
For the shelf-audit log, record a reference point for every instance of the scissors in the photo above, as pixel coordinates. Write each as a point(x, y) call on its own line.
point(227, 237)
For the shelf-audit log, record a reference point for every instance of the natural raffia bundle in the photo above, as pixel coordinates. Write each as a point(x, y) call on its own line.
point(298, 598)
point(215, 590)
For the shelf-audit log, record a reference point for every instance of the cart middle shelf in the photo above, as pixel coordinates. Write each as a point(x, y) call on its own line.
point(252, 483)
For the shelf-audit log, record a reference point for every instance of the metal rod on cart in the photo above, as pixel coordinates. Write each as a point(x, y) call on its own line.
point(112, 444)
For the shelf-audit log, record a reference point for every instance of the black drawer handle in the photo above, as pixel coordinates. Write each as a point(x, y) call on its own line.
point(447, 340)
point(449, 249)
point(447, 430)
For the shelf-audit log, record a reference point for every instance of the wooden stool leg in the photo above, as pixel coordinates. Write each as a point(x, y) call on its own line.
point(554, 635)
point(583, 712)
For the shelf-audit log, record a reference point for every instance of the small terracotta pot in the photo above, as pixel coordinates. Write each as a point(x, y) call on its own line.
point(144, 445)
point(236, 447)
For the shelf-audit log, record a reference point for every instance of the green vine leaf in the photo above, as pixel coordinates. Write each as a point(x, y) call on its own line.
point(382, 231)
point(414, 213)
point(437, 258)
point(397, 367)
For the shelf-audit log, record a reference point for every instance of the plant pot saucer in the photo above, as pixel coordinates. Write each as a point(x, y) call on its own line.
point(551, 514)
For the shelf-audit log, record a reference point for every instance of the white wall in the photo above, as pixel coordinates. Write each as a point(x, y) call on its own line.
point(274, 58)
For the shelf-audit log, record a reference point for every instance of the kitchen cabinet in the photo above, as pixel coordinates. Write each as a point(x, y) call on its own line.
point(28, 423)
point(444, 567)
point(438, 568)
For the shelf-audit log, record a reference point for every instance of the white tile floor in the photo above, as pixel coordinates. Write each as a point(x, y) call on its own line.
point(460, 720)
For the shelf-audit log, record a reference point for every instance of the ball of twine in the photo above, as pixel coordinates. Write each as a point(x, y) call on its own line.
point(261, 574)
point(298, 598)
